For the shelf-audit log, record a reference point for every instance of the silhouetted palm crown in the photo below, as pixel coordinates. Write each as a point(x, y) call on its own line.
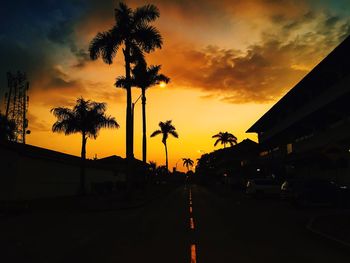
point(224, 138)
point(86, 117)
point(166, 128)
point(144, 77)
point(131, 30)
point(187, 162)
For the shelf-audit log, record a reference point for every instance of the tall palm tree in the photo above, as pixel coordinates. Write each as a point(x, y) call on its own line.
point(87, 118)
point(7, 129)
point(144, 77)
point(188, 163)
point(224, 138)
point(166, 128)
point(135, 35)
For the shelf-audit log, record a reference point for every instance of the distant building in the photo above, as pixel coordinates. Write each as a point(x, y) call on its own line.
point(307, 132)
point(231, 164)
point(30, 172)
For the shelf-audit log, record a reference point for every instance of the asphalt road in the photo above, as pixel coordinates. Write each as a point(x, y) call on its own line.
point(234, 229)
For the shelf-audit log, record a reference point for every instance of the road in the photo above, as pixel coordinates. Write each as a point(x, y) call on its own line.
point(230, 229)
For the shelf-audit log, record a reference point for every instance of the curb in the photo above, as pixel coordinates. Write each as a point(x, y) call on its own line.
point(309, 227)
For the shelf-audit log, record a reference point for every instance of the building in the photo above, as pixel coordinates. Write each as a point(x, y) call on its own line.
point(231, 165)
point(30, 172)
point(307, 132)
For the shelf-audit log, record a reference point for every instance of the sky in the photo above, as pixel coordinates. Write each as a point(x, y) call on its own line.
point(229, 61)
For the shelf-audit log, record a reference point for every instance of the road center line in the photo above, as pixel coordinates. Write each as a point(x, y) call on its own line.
point(193, 254)
point(193, 250)
point(191, 223)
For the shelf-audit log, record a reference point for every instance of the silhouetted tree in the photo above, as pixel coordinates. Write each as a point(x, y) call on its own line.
point(132, 32)
point(188, 163)
point(7, 129)
point(162, 172)
point(87, 118)
point(166, 128)
point(224, 138)
point(144, 77)
point(152, 167)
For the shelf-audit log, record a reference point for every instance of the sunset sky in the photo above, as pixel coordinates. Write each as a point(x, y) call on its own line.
point(229, 61)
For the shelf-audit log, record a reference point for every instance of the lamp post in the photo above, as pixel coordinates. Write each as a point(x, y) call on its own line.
point(132, 113)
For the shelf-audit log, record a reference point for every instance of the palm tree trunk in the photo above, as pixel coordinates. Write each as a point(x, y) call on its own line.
point(166, 157)
point(129, 121)
point(144, 136)
point(82, 165)
point(129, 126)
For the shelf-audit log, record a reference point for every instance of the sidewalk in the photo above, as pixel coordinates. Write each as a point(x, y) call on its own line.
point(334, 226)
point(89, 203)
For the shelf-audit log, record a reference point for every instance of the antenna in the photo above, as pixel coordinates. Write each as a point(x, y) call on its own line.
point(16, 104)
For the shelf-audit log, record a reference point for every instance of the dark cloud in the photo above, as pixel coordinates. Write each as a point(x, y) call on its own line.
point(267, 69)
point(63, 33)
point(38, 38)
point(256, 76)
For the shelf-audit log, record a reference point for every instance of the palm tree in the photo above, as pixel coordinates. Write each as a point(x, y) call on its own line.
point(133, 33)
point(224, 138)
point(86, 117)
point(188, 163)
point(166, 128)
point(7, 129)
point(144, 77)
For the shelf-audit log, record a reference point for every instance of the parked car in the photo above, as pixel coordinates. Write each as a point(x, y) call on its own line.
point(310, 192)
point(261, 187)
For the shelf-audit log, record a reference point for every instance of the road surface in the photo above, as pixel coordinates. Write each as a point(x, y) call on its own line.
point(190, 224)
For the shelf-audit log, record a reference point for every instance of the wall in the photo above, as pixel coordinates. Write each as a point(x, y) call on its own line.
point(24, 177)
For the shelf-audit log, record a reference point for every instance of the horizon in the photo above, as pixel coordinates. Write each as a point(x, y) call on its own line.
point(278, 44)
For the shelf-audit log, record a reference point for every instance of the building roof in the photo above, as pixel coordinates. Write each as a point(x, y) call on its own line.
point(42, 153)
point(332, 69)
point(244, 149)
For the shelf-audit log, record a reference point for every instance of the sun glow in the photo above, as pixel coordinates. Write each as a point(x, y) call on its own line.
point(162, 84)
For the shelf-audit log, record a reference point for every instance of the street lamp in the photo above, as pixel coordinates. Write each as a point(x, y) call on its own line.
point(133, 106)
point(132, 113)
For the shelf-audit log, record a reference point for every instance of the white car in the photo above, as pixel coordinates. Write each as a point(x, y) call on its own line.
point(259, 187)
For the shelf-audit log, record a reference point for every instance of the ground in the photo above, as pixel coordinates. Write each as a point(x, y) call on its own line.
point(233, 228)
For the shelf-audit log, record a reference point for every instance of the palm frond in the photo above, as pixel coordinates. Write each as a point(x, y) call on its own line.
point(105, 45)
point(145, 14)
point(122, 14)
point(120, 82)
point(147, 38)
point(62, 113)
point(161, 78)
point(217, 141)
point(174, 133)
point(155, 133)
